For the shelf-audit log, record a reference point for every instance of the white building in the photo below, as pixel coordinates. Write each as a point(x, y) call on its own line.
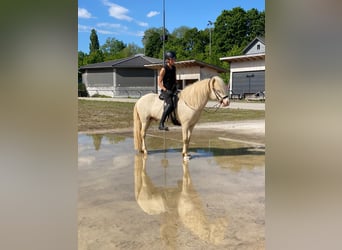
point(189, 71)
point(247, 71)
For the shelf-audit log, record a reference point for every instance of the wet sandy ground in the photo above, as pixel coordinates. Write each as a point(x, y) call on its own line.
point(215, 201)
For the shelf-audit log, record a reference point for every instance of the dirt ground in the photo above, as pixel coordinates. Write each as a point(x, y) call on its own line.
point(214, 201)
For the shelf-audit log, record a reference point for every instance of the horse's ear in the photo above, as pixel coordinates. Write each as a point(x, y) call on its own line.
point(213, 79)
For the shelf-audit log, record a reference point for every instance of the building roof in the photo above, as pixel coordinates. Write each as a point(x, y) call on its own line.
point(188, 63)
point(136, 61)
point(247, 57)
point(252, 43)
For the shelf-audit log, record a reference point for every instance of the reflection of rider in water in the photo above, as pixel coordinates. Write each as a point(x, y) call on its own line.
point(168, 85)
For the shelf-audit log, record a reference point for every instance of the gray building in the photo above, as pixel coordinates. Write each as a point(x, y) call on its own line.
point(247, 71)
point(122, 77)
point(137, 75)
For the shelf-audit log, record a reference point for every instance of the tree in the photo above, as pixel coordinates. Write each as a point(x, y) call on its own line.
point(112, 48)
point(179, 33)
point(255, 23)
point(95, 54)
point(131, 49)
point(82, 58)
point(230, 29)
point(95, 57)
point(94, 42)
point(153, 42)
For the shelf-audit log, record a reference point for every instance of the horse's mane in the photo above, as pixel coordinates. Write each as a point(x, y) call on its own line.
point(195, 93)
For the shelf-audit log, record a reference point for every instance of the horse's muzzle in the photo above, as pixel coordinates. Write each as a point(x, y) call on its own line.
point(225, 102)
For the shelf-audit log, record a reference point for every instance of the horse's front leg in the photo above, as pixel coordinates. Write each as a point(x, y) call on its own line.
point(144, 127)
point(186, 132)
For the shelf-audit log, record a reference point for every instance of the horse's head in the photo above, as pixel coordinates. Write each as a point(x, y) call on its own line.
point(218, 90)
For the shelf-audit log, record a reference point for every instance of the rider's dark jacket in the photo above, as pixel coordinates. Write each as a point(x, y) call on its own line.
point(169, 79)
point(169, 82)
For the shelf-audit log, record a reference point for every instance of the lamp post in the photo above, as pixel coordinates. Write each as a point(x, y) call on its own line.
point(209, 25)
point(163, 32)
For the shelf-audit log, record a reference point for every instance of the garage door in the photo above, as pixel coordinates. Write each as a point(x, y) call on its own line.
point(248, 82)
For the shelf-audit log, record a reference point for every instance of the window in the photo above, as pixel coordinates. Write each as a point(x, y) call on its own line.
point(258, 47)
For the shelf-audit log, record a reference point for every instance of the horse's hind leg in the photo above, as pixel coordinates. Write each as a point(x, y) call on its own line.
point(144, 127)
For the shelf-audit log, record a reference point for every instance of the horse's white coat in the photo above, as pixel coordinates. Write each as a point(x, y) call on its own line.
point(192, 101)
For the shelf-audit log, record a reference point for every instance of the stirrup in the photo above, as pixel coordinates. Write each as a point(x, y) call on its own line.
point(176, 122)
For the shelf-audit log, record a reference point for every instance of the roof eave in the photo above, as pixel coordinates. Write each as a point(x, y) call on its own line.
point(250, 57)
point(185, 63)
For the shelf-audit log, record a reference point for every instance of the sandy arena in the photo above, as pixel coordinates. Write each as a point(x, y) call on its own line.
point(215, 201)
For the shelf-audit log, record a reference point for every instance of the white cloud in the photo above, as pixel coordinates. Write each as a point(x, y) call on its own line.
point(83, 13)
point(140, 33)
point(84, 28)
point(117, 11)
point(142, 24)
point(109, 25)
point(152, 13)
point(105, 32)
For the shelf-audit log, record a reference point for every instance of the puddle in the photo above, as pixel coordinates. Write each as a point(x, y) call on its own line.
point(215, 201)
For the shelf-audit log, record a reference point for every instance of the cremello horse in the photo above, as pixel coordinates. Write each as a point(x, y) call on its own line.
point(192, 101)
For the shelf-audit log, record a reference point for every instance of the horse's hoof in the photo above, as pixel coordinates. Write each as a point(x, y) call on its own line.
point(143, 152)
point(186, 157)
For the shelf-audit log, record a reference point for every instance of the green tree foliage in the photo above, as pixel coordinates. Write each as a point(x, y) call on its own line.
point(235, 28)
point(131, 50)
point(255, 24)
point(82, 58)
point(112, 49)
point(230, 29)
point(94, 44)
point(153, 42)
point(95, 57)
point(95, 54)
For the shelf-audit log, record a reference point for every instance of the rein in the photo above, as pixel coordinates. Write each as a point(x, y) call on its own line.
point(216, 106)
point(218, 97)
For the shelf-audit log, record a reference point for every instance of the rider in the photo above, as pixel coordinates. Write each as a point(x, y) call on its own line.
point(167, 84)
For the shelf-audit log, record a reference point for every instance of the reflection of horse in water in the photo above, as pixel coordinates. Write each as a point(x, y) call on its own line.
point(192, 101)
point(179, 203)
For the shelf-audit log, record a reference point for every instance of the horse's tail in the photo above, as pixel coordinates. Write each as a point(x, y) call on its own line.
point(137, 130)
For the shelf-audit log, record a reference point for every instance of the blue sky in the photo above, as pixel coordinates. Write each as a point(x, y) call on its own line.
point(126, 20)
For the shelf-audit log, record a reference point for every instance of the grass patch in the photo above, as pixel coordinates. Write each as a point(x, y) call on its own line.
point(220, 115)
point(98, 115)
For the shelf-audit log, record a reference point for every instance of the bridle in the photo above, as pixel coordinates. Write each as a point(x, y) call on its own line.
point(217, 94)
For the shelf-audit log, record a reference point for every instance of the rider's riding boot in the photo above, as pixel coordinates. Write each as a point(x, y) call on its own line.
point(167, 111)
